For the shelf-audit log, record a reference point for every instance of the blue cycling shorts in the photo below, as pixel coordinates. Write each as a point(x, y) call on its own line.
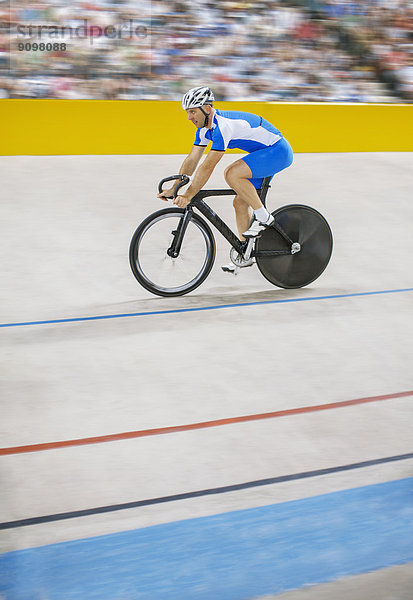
point(269, 161)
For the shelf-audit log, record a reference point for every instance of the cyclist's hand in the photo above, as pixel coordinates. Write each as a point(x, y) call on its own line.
point(166, 194)
point(182, 201)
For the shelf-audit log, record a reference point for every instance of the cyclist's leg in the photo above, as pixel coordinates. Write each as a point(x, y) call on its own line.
point(238, 176)
point(243, 215)
point(245, 172)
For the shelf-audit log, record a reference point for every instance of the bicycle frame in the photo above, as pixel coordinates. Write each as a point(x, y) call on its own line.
point(198, 202)
point(212, 217)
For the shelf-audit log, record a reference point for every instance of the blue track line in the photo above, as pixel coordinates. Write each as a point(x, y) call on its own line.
point(202, 308)
point(229, 556)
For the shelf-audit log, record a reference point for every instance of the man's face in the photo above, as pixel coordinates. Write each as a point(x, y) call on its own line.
point(196, 115)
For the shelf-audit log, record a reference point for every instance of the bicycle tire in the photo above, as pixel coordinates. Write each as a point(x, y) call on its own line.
point(155, 270)
point(302, 224)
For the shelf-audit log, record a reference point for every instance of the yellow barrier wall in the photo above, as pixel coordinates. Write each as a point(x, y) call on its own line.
point(41, 127)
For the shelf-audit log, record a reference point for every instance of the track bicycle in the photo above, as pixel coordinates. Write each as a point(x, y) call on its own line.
point(173, 250)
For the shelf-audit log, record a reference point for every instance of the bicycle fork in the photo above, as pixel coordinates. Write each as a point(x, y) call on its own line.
point(178, 234)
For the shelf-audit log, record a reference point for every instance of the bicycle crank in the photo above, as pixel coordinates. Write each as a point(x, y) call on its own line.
point(242, 260)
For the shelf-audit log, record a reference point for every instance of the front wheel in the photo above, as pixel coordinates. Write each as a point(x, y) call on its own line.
point(155, 269)
point(309, 228)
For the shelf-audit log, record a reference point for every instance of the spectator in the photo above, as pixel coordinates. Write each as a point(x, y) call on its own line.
point(268, 50)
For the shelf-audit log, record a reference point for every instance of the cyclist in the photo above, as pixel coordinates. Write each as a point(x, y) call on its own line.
point(268, 153)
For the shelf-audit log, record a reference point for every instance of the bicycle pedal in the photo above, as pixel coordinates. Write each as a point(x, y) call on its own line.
point(233, 270)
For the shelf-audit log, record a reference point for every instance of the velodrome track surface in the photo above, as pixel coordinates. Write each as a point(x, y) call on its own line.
point(240, 442)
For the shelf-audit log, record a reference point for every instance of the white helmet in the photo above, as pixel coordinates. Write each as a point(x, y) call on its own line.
point(197, 97)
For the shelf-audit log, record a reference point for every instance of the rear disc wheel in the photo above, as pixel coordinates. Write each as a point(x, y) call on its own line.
point(309, 228)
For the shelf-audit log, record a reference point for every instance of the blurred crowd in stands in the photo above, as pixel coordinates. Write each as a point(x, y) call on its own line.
point(275, 50)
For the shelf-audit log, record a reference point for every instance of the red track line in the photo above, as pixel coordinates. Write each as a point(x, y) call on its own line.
point(203, 425)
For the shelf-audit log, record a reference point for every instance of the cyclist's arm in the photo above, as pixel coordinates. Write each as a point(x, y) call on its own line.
point(191, 162)
point(204, 172)
point(188, 167)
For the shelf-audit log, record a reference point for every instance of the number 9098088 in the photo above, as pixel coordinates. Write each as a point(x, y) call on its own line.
point(35, 47)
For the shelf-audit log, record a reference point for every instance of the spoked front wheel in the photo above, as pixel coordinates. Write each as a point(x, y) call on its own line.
point(158, 271)
point(313, 245)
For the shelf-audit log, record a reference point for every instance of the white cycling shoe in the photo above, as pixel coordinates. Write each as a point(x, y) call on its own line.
point(257, 227)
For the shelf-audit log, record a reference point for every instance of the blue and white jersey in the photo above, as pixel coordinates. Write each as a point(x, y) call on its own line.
point(234, 129)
